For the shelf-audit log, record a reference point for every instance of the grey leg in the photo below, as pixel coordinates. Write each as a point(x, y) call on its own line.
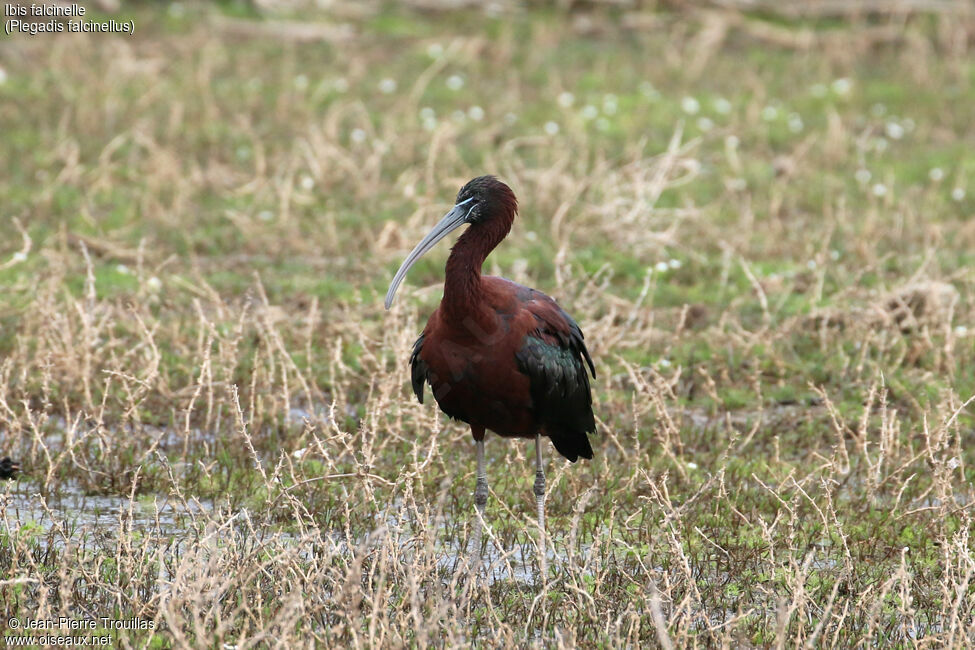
point(540, 502)
point(480, 499)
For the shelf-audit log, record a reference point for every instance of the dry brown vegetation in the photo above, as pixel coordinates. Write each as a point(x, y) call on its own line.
point(213, 412)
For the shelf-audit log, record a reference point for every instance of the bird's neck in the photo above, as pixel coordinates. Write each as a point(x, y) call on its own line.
point(463, 287)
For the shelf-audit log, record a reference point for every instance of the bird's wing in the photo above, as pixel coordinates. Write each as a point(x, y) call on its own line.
point(418, 368)
point(554, 356)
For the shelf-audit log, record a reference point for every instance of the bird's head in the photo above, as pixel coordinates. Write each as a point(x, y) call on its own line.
point(482, 202)
point(488, 198)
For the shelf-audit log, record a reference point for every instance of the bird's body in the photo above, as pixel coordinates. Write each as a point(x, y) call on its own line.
point(515, 367)
point(8, 468)
point(497, 355)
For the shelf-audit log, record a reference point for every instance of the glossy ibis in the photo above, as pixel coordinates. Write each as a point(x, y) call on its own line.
point(498, 355)
point(8, 468)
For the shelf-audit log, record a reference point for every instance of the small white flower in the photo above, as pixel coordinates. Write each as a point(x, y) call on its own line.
point(427, 113)
point(298, 453)
point(936, 174)
point(842, 86)
point(705, 123)
point(307, 182)
point(894, 130)
point(358, 135)
point(879, 189)
point(387, 86)
point(818, 90)
point(648, 91)
point(674, 264)
point(769, 113)
point(958, 194)
point(510, 118)
point(301, 82)
point(690, 105)
point(19, 256)
point(664, 362)
point(551, 128)
point(341, 85)
point(265, 215)
point(906, 549)
point(531, 235)
point(476, 113)
point(430, 123)
point(795, 123)
point(722, 106)
point(602, 124)
point(954, 463)
point(961, 330)
point(811, 265)
point(154, 284)
point(692, 465)
point(434, 50)
point(122, 269)
point(661, 267)
point(878, 110)
point(566, 99)
point(863, 176)
point(590, 112)
point(834, 255)
point(455, 82)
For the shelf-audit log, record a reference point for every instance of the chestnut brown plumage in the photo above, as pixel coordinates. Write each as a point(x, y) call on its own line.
point(497, 355)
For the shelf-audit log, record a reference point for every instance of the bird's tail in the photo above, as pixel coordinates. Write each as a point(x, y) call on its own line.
point(572, 445)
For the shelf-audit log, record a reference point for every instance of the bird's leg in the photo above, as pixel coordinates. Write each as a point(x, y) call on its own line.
point(480, 497)
point(481, 489)
point(540, 502)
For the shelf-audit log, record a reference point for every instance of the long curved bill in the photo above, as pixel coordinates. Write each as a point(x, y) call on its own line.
point(451, 221)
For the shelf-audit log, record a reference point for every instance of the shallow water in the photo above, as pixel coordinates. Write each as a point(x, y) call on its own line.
point(73, 518)
point(71, 515)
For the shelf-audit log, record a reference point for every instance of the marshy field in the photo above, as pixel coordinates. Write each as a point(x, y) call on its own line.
point(762, 219)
